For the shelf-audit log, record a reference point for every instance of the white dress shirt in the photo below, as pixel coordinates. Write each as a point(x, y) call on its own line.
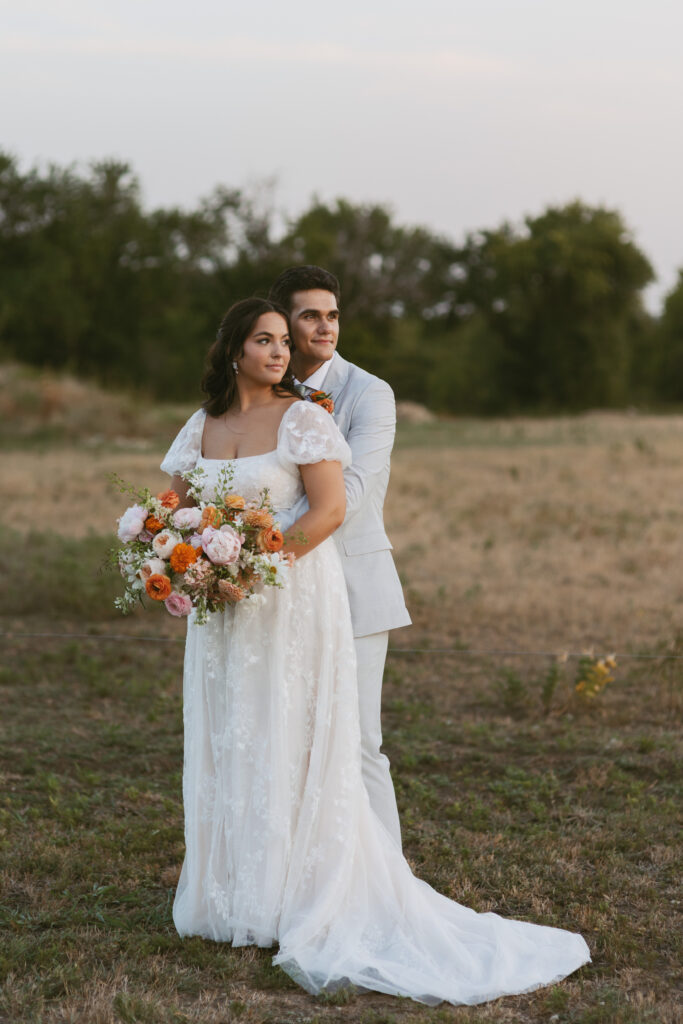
point(317, 379)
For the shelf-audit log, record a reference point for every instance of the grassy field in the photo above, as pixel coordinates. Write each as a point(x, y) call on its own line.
point(516, 795)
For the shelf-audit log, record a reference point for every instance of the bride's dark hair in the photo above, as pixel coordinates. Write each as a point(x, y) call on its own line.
point(218, 382)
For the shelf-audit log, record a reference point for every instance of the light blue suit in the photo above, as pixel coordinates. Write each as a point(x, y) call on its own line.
point(365, 412)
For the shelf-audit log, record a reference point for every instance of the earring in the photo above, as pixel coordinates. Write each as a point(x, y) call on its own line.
point(234, 366)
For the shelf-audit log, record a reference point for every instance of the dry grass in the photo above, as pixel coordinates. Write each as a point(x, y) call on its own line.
point(515, 796)
point(42, 408)
point(543, 534)
point(552, 534)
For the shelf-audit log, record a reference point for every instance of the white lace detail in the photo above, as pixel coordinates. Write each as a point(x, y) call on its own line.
point(251, 475)
point(182, 456)
point(281, 842)
point(308, 434)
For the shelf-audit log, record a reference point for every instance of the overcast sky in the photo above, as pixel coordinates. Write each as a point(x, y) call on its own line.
point(456, 113)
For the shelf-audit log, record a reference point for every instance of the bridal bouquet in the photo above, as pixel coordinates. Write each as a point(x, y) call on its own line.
point(203, 557)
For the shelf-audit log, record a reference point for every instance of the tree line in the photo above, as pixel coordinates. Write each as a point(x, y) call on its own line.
point(544, 316)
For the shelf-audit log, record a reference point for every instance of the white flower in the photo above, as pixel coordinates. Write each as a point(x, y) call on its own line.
point(281, 567)
point(151, 566)
point(131, 523)
point(127, 563)
point(164, 543)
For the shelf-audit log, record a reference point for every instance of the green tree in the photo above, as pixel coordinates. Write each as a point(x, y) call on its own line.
point(540, 317)
point(669, 345)
point(563, 295)
point(93, 283)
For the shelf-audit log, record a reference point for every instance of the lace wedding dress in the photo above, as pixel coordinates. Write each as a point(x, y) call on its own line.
point(281, 843)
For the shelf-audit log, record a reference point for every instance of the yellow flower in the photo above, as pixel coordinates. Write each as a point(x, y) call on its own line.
point(234, 502)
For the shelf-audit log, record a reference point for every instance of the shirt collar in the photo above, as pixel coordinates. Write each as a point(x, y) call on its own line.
point(317, 379)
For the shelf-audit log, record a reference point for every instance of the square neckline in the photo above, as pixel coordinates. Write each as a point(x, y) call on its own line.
point(241, 458)
point(238, 458)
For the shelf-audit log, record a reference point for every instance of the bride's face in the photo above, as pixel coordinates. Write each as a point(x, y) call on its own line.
point(265, 355)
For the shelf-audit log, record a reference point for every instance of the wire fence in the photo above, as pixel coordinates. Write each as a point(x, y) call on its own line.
point(451, 651)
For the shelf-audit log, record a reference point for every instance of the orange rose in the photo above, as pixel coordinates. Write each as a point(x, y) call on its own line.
point(169, 499)
point(182, 556)
point(210, 517)
point(230, 592)
point(158, 586)
point(153, 524)
point(234, 502)
point(322, 399)
point(269, 540)
point(258, 517)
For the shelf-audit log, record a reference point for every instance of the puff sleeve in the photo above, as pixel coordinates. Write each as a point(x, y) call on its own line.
point(308, 434)
point(182, 456)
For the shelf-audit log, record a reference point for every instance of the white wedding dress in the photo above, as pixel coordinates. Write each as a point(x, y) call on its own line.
point(281, 843)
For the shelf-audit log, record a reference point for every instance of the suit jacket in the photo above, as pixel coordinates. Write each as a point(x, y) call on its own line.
point(365, 412)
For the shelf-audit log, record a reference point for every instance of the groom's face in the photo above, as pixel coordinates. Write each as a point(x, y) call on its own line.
point(314, 317)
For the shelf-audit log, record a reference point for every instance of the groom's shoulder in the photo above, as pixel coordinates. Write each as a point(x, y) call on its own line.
point(362, 380)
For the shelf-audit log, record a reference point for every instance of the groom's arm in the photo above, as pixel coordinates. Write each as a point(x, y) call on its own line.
point(371, 439)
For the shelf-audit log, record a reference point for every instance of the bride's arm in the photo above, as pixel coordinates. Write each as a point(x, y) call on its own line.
point(180, 487)
point(324, 485)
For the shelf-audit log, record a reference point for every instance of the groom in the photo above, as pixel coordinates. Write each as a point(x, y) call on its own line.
point(365, 413)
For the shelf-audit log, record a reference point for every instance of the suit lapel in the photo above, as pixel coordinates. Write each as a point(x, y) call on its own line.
point(336, 378)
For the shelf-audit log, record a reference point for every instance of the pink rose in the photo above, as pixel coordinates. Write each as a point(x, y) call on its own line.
point(195, 540)
point(131, 523)
point(187, 518)
point(221, 546)
point(178, 604)
point(146, 536)
point(164, 542)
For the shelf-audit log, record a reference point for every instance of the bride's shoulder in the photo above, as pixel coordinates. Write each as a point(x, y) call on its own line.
point(308, 433)
point(290, 414)
point(198, 416)
point(291, 400)
point(193, 422)
point(304, 413)
point(185, 449)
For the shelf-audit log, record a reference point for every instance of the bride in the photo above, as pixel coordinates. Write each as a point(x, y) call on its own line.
point(282, 846)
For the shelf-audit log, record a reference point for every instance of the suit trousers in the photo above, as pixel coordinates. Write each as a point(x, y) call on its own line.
point(371, 652)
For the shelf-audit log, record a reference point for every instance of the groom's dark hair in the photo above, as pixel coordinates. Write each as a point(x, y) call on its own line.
point(302, 279)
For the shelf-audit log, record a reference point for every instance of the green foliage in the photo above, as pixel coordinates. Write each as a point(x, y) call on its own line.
point(543, 821)
point(544, 316)
point(69, 577)
point(92, 283)
point(669, 349)
point(466, 376)
point(562, 297)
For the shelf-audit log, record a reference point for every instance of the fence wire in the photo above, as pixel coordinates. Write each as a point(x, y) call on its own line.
point(455, 651)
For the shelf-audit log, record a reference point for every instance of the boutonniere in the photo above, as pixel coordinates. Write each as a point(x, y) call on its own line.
point(323, 399)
